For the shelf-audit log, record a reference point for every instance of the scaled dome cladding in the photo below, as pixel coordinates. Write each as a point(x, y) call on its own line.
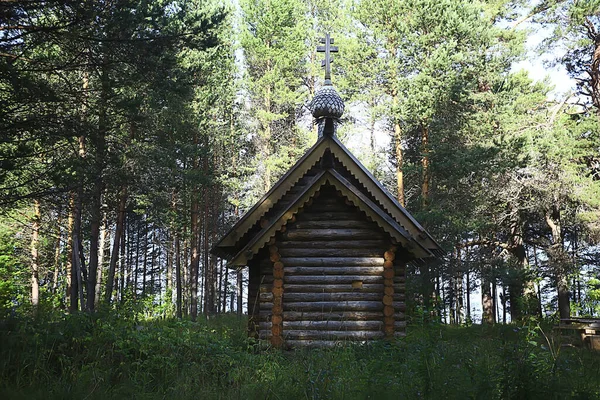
point(327, 103)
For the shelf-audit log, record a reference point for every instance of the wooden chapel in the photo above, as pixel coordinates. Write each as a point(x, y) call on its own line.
point(327, 246)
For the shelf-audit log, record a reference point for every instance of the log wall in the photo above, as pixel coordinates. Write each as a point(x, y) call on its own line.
point(329, 276)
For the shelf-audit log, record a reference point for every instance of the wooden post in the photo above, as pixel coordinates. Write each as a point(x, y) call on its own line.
point(277, 311)
point(388, 297)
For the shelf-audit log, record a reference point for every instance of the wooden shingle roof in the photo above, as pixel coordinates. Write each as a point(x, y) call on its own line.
point(327, 162)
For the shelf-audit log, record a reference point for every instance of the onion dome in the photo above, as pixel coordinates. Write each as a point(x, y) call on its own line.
point(327, 103)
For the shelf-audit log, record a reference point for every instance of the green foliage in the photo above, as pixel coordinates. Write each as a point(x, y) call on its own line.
point(11, 269)
point(105, 357)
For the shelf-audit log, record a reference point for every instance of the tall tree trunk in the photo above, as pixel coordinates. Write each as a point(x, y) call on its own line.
point(57, 250)
point(266, 140)
point(35, 279)
point(153, 262)
point(487, 302)
point(195, 257)
point(114, 255)
point(240, 292)
point(69, 240)
point(145, 266)
point(137, 259)
point(122, 263)
point(222, 287)
point(504, 298)
point(558, 261)
point(76, 267)
point(96, 203)
point(101, 245)
point(516, 283)
point(178, 275)
point(399, 155)
point(425, 165)
point(468, 294)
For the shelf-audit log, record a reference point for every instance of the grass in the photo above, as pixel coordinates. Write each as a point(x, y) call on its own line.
point(108, 357)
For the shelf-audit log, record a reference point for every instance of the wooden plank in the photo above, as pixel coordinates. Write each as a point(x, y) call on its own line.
point(336, 244)
point(346, 296)
point(331, 261)
point(335, 335)
point(342, 252)
point(375, 271)
point(344, 214)
point(332, 279)
point(326, 306)
point(332, 316)
point(331, 234)
point(320, 222)
point(311, 288)
point(333, 325)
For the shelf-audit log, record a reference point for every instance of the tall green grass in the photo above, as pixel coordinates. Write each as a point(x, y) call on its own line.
point(111, 357)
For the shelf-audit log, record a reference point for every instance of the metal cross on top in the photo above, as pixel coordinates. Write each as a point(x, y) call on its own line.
point(327, 49)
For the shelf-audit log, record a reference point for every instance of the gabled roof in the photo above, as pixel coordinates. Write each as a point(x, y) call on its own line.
point(301, 183)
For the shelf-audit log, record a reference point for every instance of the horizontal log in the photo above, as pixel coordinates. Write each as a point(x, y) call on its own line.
point(265, 334)
point(399, 334)
point(327, 252)
point(333, 271)
point(335, 335)
point(318, 260)
point(337, 244)
point(397, 324)
point(309, 223)
point(323, 206)
point(265, 306)
point(326, 306)
point(399, 296)
point(265, 326)
point(266, 297)
point(265, 316)
point(311, 288)
point(339, 213)
point(399, 306)
point(265, 288)
point(333, 325)
point(331, 234)
point(315, 344)
point(345, 296)
point(332, 316)
point(331, 279)
point(326, 326)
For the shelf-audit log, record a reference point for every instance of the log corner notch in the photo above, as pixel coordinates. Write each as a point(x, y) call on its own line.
point(277, 310)
point(388, 287)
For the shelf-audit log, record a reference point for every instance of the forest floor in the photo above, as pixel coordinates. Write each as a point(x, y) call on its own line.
point(115, 357)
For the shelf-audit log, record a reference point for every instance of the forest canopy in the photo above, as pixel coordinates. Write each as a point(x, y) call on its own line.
point(136, 132)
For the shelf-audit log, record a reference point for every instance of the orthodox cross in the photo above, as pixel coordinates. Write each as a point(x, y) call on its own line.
point(327, 49)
